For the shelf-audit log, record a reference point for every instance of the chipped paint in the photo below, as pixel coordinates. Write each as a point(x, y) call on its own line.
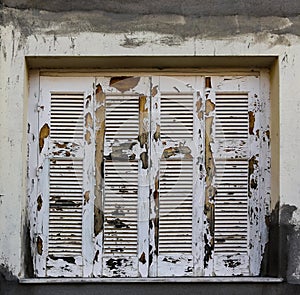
point(39, 203)
point(39, 243)
point(44, 133)
point(251, 122)
point(99, 147)
point(124, 83)
point(210, 190)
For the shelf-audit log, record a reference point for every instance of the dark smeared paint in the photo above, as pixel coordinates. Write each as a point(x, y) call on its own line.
point(144, 159)
point(96, 258)
point(171, 260)
point(208, 249)
point(98, 220)
point(231, 263)
point(142, 258)
point(68, 259)
point(118, 223)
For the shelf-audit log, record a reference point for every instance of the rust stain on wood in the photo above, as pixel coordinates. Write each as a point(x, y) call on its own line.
point(208, 82)
point(156, 135)
point(99, 149)
point(172, 151)
point(39, 245)
point(251, 122)
point(86, 197)
point(209, 106)
point(144, 159)
point(44, 133)
point(198, 108)
point(154, 91)
point(87, 137)
point(210, 190)
point(124, 83)
point(88, 120)
point(143, 116)
point(39, 203)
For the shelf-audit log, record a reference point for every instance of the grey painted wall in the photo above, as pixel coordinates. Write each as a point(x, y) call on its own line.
point(180, 19)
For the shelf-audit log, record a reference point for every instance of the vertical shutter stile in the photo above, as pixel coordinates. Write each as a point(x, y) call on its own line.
point(198, 178)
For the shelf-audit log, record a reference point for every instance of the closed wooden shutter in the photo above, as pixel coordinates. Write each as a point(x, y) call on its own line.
point(231, 105)
point(64, 168)
point(151, 176)
point(174, 149)
point(126, 182)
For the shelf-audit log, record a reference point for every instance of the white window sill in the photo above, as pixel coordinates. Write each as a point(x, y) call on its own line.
point(151, 280)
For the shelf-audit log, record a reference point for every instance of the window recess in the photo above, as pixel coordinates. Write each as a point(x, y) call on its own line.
point(149, 176)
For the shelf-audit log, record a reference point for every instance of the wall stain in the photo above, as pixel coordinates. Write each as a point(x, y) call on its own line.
point(117, 223)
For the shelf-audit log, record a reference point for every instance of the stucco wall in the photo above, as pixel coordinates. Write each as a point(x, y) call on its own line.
point(150, 28)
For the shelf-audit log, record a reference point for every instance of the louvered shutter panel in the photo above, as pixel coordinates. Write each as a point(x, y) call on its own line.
point(126, 182)
point(65, 170)
point(230, 104)
point(174, 152)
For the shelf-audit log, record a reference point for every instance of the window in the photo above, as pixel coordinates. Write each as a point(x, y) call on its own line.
point(149, 176)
